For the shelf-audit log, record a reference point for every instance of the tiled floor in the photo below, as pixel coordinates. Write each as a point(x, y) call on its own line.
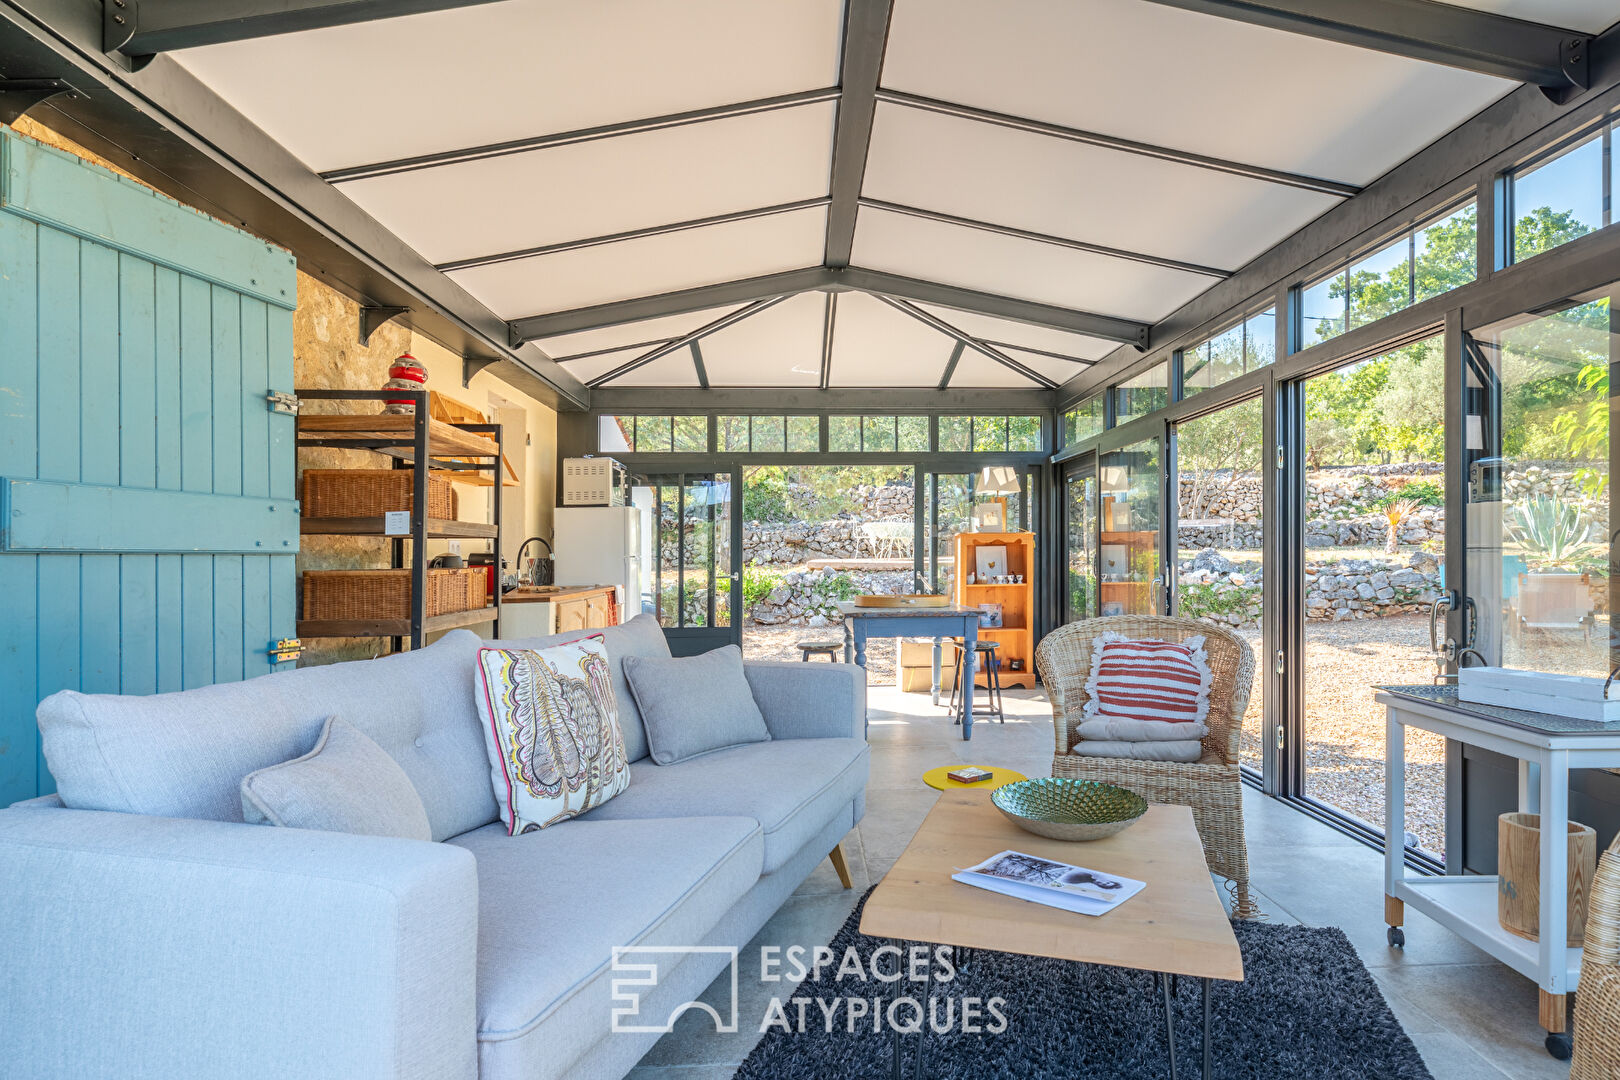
point(1471, 1018)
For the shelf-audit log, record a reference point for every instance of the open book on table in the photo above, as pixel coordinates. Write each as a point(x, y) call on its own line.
point(1046, 881)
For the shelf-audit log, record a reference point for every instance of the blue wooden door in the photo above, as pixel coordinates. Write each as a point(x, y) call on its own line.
point(148, 523)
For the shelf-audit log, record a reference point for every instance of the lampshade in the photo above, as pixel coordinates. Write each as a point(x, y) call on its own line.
point(997, 480)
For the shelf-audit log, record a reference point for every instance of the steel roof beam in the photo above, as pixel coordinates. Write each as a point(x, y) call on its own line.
point(950, 365)
point(581, 135)
point(681, 302)
point(729, 319)
point(962, 338)
point(1555, 59)
point(632, 234)
point(866, 35)
point(143, 28)
point(878, 282)
point(1127, 146)
point(1047, 238)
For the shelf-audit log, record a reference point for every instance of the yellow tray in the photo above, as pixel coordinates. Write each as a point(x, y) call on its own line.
point(925, 600)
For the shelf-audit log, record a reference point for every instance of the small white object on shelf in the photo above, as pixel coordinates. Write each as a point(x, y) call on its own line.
point(1576, 696)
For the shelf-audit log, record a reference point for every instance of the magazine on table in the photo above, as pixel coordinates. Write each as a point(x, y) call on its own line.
point(1046, 881)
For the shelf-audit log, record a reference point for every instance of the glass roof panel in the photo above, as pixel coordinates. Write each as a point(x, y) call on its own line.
point(1024, 335)
point(675, 369)
point(648, 330)
point(780, 346)
point(977, 369)
point(875, 345)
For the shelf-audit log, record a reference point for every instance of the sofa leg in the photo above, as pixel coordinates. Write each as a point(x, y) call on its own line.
point(837, 857)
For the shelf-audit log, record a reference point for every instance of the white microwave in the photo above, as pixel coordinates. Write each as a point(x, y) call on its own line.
point(594, 481)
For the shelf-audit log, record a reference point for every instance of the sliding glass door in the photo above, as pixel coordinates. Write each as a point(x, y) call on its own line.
point(1131, 563)
point(689, 557)
point(1079, 593)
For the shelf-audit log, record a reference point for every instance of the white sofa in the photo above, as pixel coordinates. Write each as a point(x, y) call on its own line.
point(148, 932)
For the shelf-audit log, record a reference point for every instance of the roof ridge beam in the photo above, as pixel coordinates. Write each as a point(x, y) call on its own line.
point(1015, 309)
point(728, 319)
point(1553, 58)
point(1112, 142)
point(579, 135)
point(1047, 238)
point(633, 234)
point(143, 28)
point(963, 338)
point(866, 36)
point(679, 302)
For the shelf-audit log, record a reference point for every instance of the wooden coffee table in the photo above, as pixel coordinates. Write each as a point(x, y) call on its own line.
point(1175, 926)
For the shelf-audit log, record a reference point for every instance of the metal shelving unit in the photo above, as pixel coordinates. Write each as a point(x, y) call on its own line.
point(438, 445)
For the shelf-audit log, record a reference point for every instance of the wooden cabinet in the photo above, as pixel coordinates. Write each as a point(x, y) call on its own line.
point(1016, 636)
point(588, 607)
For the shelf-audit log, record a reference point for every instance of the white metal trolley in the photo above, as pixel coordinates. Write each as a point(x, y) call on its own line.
point(1547, 748)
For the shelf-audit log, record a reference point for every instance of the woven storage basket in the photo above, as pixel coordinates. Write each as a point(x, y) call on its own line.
point(331, 493)
point(456, 590)
point(346, 595)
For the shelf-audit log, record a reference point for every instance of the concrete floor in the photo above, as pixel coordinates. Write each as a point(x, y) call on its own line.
point(1470, 1017)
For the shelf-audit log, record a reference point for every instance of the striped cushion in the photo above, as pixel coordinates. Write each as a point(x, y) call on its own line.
point(1146, 690)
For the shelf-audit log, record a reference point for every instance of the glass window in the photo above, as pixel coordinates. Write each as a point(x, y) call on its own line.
point(615, 433)
point(768, 435)
point(1084, 421)
point(731, 434)
point(989, 433)
point(955, 434)
point(1425, 262)
point(653, 434)
point(1558, 199)
point(692, 434)
point(844, 434)
point(877, 434)
point(803, 434)
point(913, 434)
point(1249, 345)
point(1141, 394)
point(1024, 434)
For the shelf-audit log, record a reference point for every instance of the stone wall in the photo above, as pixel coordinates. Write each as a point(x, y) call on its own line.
point(1228, 591)
point(807, 597)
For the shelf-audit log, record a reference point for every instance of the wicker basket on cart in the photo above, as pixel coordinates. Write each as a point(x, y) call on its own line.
point(355, 595)
point(342, 493)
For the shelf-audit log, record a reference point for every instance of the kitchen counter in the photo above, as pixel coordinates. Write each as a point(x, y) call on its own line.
point(550, 594)
point(537, 610)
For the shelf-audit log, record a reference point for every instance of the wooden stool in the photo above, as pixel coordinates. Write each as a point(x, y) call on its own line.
point(807, 649)
point(988, 662)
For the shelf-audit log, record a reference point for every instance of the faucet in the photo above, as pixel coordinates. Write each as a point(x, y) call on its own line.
point(525, 547)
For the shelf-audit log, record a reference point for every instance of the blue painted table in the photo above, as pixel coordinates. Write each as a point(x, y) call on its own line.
point(862, 623)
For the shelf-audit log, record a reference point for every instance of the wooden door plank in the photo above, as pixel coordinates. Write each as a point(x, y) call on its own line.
point(19, 658)
point(166, 377)
point(229, 651)
point(19, 347)
point(57, 621)
point(48, 515)
point(58, 356)
point(196, 385)
point(256, 615)
point(283, 466)
point(255, 354)
point(99, 592)
point(283, 596)
point(137, 373)
point(227, 396)
point(169, 640)
point(98, 364)
point(197, 620)
point(140, 624)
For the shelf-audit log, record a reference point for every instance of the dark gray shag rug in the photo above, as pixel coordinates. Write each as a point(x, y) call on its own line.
point(1306, 1010)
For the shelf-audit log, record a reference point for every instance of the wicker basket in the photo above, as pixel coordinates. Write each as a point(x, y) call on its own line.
point(341, 493)
point(350, 595)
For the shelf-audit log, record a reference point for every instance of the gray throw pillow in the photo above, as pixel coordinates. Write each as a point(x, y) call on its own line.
point(694, 704)
point(347, 784)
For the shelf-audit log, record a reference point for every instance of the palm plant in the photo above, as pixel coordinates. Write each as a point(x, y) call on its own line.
point(1548, 528)
point(1395, 513)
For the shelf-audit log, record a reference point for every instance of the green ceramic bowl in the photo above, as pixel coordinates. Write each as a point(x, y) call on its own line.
point(1068, 809)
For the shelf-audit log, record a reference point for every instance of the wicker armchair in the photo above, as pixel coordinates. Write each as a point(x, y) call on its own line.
point(1597, 1003)
point(1211, 785)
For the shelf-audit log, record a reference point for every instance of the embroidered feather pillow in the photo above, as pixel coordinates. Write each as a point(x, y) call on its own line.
point(551, 726)
point(1146, 699)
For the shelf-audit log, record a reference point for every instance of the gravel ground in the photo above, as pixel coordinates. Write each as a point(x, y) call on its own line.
point(781, 643)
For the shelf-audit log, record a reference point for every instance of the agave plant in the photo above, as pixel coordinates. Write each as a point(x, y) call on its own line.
point(1395, 513)
point(1548, 528)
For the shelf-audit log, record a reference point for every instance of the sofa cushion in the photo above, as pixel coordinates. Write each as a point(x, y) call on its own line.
point(694, 704)
point(552, 729)
point(553, 905)
point(641, 636)
point(346, 784)
point(792, 787)
point(184, 754)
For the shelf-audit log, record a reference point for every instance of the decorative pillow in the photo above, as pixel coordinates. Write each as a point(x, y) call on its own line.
point(551, 726)
point(1146, 691)
point(347, 783)
point(694, 704)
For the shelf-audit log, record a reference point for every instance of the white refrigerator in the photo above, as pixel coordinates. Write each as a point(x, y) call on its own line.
point(603, 545)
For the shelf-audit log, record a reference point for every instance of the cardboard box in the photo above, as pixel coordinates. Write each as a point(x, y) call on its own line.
point(914, 674)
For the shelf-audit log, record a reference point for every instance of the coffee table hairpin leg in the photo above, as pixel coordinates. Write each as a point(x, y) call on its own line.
point(1165, 986)
point(917, 1070)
